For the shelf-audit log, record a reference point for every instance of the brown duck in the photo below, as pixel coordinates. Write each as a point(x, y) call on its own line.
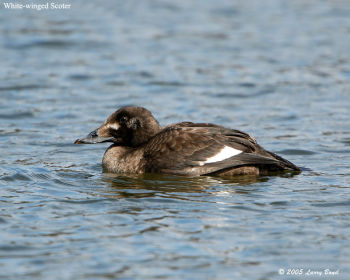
point(140, 145)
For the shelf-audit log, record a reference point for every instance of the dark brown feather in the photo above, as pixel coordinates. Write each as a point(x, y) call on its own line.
point(181, 148)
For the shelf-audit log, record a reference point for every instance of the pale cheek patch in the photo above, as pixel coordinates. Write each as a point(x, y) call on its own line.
point(114, 126)
point(225, 153)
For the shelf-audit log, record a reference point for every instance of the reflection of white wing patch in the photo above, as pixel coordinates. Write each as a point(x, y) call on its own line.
point(225, 153)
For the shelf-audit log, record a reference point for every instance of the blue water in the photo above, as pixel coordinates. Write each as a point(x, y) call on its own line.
point(279, 70)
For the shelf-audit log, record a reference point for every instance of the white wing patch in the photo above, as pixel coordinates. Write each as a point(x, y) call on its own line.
point(224, 153)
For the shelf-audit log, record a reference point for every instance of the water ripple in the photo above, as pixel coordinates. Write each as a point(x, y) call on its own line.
point(18, 115)
point(277, 71)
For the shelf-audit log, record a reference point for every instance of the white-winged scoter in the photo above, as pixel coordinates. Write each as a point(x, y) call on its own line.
point(140, 145)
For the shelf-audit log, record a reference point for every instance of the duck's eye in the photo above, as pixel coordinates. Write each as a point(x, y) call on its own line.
point(123, 119)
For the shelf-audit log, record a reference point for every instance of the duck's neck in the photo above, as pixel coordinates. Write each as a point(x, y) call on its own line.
point(141, 136)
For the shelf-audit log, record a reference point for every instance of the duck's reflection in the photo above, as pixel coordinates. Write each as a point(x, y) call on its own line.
point(149, 185)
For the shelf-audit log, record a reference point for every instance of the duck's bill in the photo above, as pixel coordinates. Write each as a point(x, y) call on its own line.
point(93, 138)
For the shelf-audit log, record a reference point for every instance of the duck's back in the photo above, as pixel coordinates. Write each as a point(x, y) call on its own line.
point(205, 149)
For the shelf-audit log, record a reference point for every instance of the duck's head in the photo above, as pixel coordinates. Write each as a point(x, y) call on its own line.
point(128, 126)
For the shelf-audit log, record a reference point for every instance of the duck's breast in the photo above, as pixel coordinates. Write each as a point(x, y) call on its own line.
point(120, 159)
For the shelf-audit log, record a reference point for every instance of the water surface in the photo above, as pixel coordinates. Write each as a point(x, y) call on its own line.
point(279, 70)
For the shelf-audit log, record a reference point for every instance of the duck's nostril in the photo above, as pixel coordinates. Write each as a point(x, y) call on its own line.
point(93, 133)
